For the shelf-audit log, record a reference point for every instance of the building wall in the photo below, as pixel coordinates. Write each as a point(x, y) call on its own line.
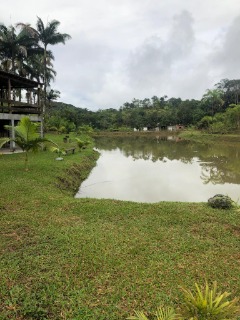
point(12, 120)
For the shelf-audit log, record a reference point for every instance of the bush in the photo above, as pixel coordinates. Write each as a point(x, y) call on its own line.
point(218, 127)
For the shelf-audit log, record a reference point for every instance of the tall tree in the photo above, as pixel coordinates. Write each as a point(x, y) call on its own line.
point(231, 90)
point(214, 99)
point(34, 67)
point(52, 95)
point(47, 35)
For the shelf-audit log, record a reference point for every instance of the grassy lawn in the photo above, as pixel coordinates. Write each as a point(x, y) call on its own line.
point(66, 258)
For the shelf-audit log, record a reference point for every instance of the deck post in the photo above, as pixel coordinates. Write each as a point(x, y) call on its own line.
point(9, 95)
point(41, 129)
point(1, 96)
point(12, 136)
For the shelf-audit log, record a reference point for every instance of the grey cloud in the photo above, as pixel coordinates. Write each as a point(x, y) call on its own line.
point(87, 64)
point(227, 58)
point(156, 58)
point(181, 37)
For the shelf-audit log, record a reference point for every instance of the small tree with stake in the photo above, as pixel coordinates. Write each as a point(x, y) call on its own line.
point(27, 137)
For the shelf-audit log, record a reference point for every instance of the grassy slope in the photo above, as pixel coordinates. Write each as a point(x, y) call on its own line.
point(66, 258)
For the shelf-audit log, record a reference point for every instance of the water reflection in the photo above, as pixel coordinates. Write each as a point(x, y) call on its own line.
point(151, 170)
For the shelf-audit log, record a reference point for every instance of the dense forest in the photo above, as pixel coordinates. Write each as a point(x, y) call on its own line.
point(218, 112)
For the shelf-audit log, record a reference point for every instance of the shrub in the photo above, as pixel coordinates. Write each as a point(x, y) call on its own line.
point(203, 303)
point(208, 304)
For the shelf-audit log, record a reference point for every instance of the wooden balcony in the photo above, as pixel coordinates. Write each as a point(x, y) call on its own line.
point(19, 95)
point(13, 106)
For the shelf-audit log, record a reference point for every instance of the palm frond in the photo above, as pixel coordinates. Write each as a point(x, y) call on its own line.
point(58, 150)
point(166, 313)
point(3, 141)
point(40, 25)
point(26, 27)
point(139, 315)
point(27, 129)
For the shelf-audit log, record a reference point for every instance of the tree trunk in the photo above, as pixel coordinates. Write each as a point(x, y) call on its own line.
point(26, 160)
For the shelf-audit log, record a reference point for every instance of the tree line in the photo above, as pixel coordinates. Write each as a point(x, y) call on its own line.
point(217, 111)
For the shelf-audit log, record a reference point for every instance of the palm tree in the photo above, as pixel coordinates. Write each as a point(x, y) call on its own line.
point(52, 95)
point(47, 35)
point(14, 47)
point(34, 67)
point(214, 98)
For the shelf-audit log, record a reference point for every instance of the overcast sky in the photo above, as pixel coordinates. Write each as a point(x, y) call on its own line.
point(125, 49)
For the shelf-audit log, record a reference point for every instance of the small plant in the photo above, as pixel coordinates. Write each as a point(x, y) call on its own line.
point(209, 304)
point(82, 144)
point(27, 137)
point(60, 151)
point(139, 315)
point(202, 304)
point(162, 313)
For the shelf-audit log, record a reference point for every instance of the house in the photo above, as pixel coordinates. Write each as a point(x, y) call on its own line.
point(19, 97)
point(179, 127)
point(171, 128)
point(175, 128)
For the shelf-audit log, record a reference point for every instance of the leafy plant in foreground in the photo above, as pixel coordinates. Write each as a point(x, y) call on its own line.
point(209, 304)
point(27, 137)
point(163, 313)
point(202, 304)
point(3, 141)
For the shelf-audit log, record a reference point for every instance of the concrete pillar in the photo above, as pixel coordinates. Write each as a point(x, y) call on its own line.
point(41, 130)
point(9, 96)
point(12, 136)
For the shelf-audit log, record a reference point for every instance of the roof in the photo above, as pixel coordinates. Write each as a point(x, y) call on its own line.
point(16, 81)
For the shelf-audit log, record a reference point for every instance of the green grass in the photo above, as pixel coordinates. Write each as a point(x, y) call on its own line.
point(66, 258)
point(204, 137)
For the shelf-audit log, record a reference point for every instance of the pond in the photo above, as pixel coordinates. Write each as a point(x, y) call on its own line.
point(145, 169)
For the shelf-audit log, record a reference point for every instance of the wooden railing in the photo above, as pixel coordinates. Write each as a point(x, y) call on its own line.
point(13, 106)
